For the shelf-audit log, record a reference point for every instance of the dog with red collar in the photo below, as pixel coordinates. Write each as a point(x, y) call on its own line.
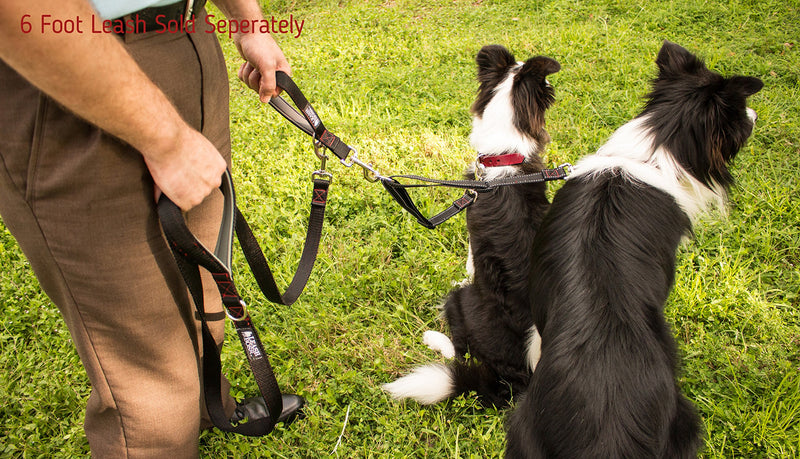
point(489, 313)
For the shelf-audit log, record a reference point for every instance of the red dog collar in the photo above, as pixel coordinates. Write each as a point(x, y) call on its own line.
point(508, 159)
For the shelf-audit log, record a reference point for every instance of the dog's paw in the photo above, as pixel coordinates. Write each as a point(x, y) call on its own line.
point(463, 282)
point(439, 342)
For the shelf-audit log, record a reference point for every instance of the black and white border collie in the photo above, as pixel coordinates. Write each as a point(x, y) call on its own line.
point(603, 264)
point(489, 317)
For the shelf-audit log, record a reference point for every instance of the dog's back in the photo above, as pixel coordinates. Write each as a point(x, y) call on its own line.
point(603, 265)
point(490, 318)
point(604, 386)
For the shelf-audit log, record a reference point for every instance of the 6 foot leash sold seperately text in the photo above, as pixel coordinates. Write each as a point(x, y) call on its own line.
point(48, 24)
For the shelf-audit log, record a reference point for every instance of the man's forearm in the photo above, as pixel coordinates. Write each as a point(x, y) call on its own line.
point(94, 76)
point(90, 74)
point(240, 9)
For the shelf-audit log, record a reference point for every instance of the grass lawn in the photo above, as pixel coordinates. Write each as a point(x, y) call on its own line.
point(395, 79)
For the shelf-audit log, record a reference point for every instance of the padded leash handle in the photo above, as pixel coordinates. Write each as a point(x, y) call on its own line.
point(306, 119)
point(190, 254)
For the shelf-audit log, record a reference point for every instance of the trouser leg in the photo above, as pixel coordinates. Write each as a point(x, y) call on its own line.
point(80, 204)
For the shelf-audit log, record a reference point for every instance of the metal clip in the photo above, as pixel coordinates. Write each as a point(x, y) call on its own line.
point(567, 168)
point(244, 312)
point(321, 172)
point(318, 150)
point(370, 174)
point(480, 169)
point(474, 195)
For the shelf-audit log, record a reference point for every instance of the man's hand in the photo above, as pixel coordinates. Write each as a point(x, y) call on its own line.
point(188, 171)
point(263, 57)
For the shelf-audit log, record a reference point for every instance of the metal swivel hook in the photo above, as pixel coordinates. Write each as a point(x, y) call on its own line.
point(370, 174)
point(321, 172)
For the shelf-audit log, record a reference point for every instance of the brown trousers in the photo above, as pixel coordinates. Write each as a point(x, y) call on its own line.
point(80, 204)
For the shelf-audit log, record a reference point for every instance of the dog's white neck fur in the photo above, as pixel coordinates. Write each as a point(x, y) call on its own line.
point(630, 150)
point(494, 133)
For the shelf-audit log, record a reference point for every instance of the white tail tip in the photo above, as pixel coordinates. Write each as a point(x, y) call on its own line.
point(427, 385)
point(439, 342)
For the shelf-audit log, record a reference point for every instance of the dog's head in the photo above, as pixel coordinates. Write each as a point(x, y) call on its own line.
point(508, 114)
point(698, 116)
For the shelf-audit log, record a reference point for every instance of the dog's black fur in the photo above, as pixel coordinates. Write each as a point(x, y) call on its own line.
point(602, 267)
point(490, 317)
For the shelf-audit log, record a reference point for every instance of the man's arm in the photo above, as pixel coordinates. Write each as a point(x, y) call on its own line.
point(262, 55)
point(93, 76)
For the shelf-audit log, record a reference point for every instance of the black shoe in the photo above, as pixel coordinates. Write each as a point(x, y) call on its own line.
point(256, 408)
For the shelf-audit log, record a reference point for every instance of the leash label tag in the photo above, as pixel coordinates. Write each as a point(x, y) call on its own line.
point(312, 116)
point(251, 345)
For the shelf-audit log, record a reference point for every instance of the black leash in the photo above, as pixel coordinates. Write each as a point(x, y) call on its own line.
point(307, 119)
point(309, 122)
point(190, 254)
point(472, 187)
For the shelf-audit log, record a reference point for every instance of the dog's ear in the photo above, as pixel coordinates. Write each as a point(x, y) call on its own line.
point(674, 59)
point(493, 64)
point(539, 66)
point(746, 86)
point(533, 95)
point(494, 61)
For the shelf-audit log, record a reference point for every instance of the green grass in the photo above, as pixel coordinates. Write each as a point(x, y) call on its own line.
point(395, 80)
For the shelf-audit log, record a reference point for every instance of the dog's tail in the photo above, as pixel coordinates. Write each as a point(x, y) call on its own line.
point(428, 385)
point(433, 383)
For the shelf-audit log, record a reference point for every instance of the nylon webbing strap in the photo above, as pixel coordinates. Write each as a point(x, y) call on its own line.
point(190, 254)
point(258, 263)
point(398, 191)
